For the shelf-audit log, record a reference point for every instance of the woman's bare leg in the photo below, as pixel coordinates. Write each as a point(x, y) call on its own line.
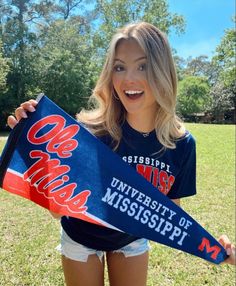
point(130, 271)
point(90, 273)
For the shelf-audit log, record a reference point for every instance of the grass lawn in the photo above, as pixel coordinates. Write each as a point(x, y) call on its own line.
point(28, 235)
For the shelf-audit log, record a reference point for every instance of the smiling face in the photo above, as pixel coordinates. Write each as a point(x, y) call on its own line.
point(130, 82)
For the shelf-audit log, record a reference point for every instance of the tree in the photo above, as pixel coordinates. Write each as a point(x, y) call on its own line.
point(199, 66)
point(180, 64)
point(67, 7)
point(225, 61)
point(19, 36)
point(64, 70)
point(113, 14)
point(19, 20)
point(193, 95)
point(223, 91)
point(4, 68)
point(221, 101)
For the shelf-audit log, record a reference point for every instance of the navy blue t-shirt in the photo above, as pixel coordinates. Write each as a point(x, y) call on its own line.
point(171, 171)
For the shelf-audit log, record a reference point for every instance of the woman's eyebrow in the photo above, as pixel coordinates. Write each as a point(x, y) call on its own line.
point(118, 60)
point(136, 60)
point(140, 59)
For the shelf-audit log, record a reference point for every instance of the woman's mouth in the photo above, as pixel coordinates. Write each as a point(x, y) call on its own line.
point(133, 94)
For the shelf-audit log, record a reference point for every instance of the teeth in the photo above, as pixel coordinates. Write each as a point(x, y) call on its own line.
point(133, 91)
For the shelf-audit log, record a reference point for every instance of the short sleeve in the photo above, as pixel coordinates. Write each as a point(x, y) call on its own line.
point(185, 181)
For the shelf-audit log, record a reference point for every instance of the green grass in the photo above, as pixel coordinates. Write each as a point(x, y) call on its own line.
point(28, 235)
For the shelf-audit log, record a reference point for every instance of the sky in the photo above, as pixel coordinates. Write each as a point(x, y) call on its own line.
point(206, 21)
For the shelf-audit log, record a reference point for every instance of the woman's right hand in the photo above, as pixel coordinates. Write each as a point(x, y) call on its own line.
point(20, 112)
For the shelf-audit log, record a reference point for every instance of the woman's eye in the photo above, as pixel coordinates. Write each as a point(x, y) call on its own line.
point(118, 68)
point(142, 67)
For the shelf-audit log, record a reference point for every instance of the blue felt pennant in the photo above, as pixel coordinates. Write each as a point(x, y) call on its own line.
point(51, 159)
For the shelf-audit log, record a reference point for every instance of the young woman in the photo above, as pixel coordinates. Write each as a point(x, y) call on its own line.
point(134, 113)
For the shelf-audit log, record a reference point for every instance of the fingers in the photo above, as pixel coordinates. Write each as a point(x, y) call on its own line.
point(224, 241)
point(21, 112)
point(230, 249)
point(232, 258)
point(29, 105)
point(11, 121)
point(24, 107)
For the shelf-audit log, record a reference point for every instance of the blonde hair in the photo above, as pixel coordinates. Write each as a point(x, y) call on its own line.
point(108, 113)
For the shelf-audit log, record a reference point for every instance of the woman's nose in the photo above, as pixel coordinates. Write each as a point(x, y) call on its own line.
point(130, 76)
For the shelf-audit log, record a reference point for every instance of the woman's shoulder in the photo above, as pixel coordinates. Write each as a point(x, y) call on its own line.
point(186, 142)
point(187, 137)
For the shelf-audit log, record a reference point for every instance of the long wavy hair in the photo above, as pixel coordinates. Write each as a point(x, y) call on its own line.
point(108, 114)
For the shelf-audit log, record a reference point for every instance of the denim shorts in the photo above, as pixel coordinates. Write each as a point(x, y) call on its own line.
point(78, 252)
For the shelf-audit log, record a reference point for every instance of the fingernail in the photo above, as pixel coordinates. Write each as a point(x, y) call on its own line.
point(31, 108)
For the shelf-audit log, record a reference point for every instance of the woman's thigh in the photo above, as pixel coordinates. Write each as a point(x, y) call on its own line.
point(82, 266)
point(89, 273)
point(127, 271)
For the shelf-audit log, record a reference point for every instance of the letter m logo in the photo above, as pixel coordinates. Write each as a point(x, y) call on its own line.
point(205, 244)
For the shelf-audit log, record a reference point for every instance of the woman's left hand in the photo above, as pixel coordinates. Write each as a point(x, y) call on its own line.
point(230, 249)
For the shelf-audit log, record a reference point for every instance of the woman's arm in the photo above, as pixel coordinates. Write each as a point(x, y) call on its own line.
point(55, 215)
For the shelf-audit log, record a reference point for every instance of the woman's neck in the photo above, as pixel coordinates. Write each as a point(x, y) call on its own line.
point(140, 123)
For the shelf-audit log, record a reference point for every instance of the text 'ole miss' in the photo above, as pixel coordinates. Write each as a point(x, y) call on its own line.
point(48, 175)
